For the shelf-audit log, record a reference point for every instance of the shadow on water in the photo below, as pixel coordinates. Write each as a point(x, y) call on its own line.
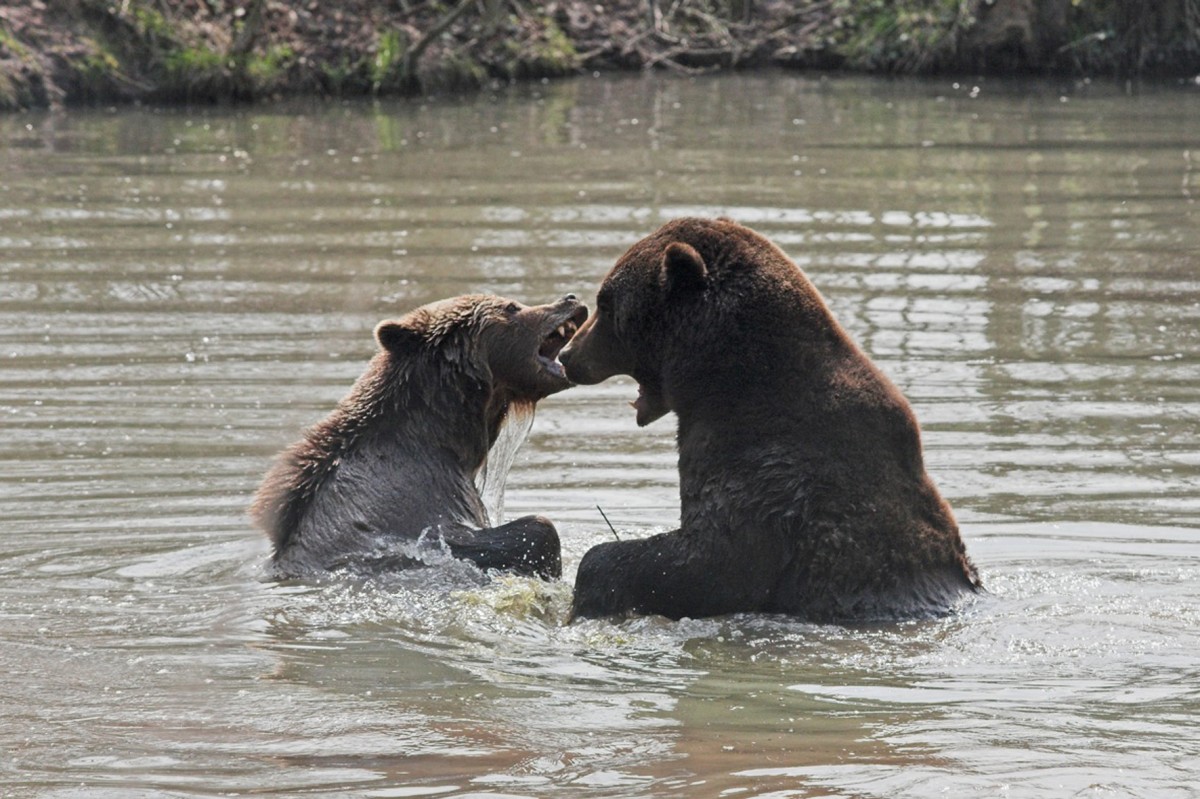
point(182, 291)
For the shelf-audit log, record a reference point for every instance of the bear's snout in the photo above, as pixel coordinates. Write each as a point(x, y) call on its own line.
point(592, 355)
point(580, 369)
point(567, 358)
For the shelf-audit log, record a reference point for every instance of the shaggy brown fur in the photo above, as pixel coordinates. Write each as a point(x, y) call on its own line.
point(395, 463)
point(802, 481)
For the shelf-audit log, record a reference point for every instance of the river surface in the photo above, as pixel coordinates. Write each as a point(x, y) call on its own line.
point(182, 291)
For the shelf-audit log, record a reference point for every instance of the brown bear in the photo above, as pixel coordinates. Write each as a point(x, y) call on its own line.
point(802, 482)
point(395, 465)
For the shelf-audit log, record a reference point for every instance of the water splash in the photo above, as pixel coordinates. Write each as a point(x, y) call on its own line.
point(520, 598)
point(493, 475)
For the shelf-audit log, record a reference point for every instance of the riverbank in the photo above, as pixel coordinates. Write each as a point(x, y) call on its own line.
point(64, 52)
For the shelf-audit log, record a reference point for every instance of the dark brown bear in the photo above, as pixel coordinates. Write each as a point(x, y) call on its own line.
point(395, 464)
point(801, 476)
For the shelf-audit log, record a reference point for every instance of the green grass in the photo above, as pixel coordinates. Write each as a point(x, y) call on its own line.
point(549, 54)
point(899, 36)
point(385, 69)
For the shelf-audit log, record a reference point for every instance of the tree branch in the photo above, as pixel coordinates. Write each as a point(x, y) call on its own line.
point(413, 54)
point(251, 28)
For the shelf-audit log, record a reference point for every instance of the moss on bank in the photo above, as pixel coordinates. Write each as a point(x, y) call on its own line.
point(67, 51)
point(905, 36)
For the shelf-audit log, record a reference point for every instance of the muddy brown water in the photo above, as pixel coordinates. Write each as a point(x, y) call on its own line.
point(182, 291)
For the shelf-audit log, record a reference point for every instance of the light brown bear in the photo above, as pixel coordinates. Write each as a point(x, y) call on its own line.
point(802, 480)
point(396, 462)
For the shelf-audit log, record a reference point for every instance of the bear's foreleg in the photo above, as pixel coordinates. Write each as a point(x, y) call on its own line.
point(667, 574)
point(528, 546)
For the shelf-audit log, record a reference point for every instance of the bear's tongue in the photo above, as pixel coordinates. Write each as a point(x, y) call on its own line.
point(548, 353)
point(553, 367)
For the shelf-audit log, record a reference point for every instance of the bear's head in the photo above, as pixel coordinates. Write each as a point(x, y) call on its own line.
point(641, 306)
point(504, 345)
point(699, 306)
point(624, 336)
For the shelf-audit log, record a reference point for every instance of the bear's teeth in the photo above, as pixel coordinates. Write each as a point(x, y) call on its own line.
point(561, 330)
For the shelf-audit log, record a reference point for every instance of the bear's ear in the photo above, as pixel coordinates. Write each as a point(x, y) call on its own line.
point(398, 336)
point(683, 268)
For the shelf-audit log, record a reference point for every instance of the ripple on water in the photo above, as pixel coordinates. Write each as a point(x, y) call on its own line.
point(185, 290)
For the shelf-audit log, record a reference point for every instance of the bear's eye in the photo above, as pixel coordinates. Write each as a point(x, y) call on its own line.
point(512, 309)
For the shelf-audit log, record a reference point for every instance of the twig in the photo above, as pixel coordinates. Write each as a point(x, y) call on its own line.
point(667, 59)
point(632, 43)
point(668, 17)
point(1098, 36)
point(715, 26)
point(606, 521)
point(798, 16)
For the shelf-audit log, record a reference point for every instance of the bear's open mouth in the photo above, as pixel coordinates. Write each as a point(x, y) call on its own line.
point(552, 345)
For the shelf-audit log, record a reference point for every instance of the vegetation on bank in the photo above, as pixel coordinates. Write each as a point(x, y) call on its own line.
point(77, 51)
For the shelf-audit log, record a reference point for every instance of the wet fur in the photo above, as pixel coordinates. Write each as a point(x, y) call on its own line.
point(802, 478)
point(396, 460)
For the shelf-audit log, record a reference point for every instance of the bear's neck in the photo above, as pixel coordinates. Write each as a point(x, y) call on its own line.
point(735, 404)
point(436, 413)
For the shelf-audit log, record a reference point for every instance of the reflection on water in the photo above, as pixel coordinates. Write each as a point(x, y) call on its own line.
point(181, 292)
